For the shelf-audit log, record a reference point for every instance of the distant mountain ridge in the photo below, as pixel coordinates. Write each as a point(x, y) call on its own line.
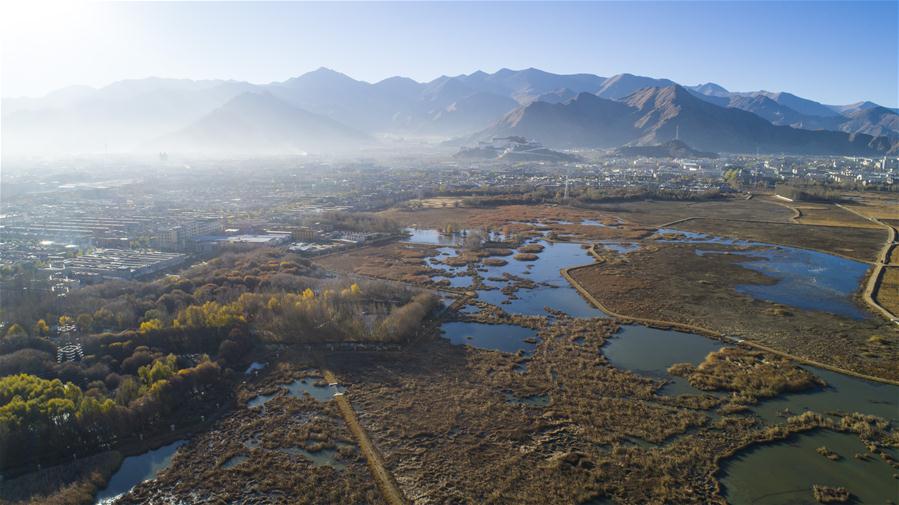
point(259, 123)
point(788, 109)
point(656, 115)
point(135, 114)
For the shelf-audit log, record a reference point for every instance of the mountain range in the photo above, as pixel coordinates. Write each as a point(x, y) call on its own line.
point(325, 111)
point(654, 115)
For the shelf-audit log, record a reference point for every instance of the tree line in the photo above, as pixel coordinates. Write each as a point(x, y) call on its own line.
point(169, 351)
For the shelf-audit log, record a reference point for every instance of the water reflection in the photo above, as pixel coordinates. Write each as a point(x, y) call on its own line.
point(137, 469)
point(552, 290)
point(312, 386)
point(783, 473)
point(806, 279)
point(650, 351)
point(497, 337)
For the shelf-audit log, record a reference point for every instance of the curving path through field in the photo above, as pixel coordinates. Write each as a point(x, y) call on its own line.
point(882, 261)
point(659, 323)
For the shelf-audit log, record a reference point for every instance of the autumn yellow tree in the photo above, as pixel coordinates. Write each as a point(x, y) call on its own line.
point(151, 325)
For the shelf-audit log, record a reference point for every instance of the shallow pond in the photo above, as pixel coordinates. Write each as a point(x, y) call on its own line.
point(620, 247)
point(843, 393)
point(454, 282)
point(783, 473)
point(137, 469)
point(260, 400)
point(435, 237)
point(253, 367)
point(323, 457)
point(297, 389)
point(809, 280)
point(650, 351)
point(234, 461)
point(301, 387)
point(701, 238)
point(806, 279)
point(558, 294)
point(497, 337)
point(528, 401)
point(778, 473)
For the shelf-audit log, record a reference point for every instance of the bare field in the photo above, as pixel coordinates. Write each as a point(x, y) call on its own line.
point(394, 261)
point(656, 213)
point(493, 217)
point(831, 215)
point(863, 244)
point(669, 282)
point(440, 202)
point(887, 293)
point(877, 205)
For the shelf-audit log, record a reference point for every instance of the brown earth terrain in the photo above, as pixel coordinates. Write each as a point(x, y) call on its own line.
point(669, 282)
point(655, 213)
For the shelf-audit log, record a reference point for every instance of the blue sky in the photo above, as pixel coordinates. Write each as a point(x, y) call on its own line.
point(834, 52)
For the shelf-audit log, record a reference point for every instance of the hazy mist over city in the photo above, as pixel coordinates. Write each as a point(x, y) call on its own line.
point(616, 252)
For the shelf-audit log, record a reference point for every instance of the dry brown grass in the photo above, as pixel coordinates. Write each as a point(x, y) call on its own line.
point(655, 213)
point(748, 372)
point(522, 221)
point(669, 282)
point(269, 473)
point(831, 215)
point(394, 261)
point(887, 293)
point(880, 209)
point(827, 494)
point(495, 218)
point(531, 248)
point(862, 244)
point(440, 202)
